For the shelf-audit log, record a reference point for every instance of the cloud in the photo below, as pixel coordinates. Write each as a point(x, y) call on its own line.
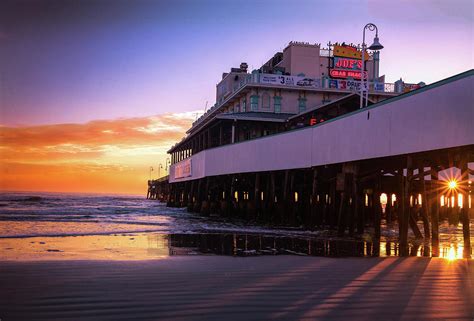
point(92, 139)
point(104, 154)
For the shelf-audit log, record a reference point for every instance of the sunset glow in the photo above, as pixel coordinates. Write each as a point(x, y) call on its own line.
point(104, 156)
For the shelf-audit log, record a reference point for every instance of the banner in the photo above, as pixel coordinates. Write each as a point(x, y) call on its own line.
point(183, 169)
point(297, 81)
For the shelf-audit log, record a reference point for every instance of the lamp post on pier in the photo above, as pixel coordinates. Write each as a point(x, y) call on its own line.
point(364, 85)
point(151, 170)
point(159, 169)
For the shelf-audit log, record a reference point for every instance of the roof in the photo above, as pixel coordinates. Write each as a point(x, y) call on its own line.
point(257, 116)
point(337, 101)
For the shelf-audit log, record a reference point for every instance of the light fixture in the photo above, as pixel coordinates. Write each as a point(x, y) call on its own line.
point(376, 45)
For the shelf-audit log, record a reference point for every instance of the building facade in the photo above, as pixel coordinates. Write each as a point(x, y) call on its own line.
point(304, 80)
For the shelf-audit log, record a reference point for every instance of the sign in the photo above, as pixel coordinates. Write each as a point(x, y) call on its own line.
point(348, 52)
point(313, 121)
point(346, 63)
point(410, 87)
point(297, 81)
point(343, 73)
point(349, 85)
point(183, 169)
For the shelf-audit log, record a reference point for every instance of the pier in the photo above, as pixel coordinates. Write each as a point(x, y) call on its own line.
point(387, 161)
point(404, 157)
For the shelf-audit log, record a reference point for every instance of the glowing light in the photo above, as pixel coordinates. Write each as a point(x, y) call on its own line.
point(394, 199)
point(383, 199)
point(460, 200)
point(452, 184)
point(419, 200)
point(296, 196)
point(452, 201)
point(441, 200)
point(451, 254)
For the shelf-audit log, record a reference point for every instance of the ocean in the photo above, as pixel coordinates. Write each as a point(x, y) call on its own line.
point(48, 226)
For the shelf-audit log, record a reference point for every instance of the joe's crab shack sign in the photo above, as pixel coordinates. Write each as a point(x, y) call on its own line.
point(347, 62)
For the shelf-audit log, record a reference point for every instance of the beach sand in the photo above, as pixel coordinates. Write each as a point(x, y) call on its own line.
point(239, 288)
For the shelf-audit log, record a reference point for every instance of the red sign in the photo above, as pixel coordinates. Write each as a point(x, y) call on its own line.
point(314, 121)
point(341, 73)
point(347, 63)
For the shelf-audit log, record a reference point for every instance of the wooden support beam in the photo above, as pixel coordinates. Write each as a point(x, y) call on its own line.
point(413, 225)
point(411, 215)
point(463, 189)
point(377, 206)
point(424, 205)
point(358, 205)
point(435, 196)
point(315, 208)
point(272, 192)
point(341, 219)
point(404, 210)
point(285, 185)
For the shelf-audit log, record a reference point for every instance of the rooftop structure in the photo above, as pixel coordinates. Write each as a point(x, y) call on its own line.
point(302, 78)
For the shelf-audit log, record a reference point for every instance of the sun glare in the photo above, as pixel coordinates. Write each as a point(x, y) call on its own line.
point(451, 254)
point(452, 184)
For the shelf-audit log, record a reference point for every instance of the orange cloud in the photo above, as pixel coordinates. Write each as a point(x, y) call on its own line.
point(108, 156)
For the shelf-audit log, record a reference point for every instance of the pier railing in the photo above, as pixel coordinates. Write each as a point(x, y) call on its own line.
point(302, 82)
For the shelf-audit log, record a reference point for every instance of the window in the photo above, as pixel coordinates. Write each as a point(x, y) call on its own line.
point(277, 104)
point(236, 108)
point(302, 104)
point(244, 105)
point(265, 101)
point(254, 102)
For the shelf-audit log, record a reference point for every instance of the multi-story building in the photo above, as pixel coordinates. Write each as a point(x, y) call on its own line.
point(301, 86)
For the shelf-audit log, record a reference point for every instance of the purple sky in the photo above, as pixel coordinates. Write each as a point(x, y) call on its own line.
point(75, 61)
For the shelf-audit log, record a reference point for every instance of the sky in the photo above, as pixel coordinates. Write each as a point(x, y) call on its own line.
point(93, 93)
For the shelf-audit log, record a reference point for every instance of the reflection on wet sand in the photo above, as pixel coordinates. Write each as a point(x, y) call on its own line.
point(90, 247)
point(251, 244)
point(147, 246)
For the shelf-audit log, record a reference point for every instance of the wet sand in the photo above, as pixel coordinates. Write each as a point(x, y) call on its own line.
point(239, 288)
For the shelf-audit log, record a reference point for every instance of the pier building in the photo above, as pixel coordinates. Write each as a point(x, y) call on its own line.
point(288, 144)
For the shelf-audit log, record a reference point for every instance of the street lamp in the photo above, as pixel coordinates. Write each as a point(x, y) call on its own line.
point(159, 167)
point(168, 164)
point(151, 170)
point(375, 46)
